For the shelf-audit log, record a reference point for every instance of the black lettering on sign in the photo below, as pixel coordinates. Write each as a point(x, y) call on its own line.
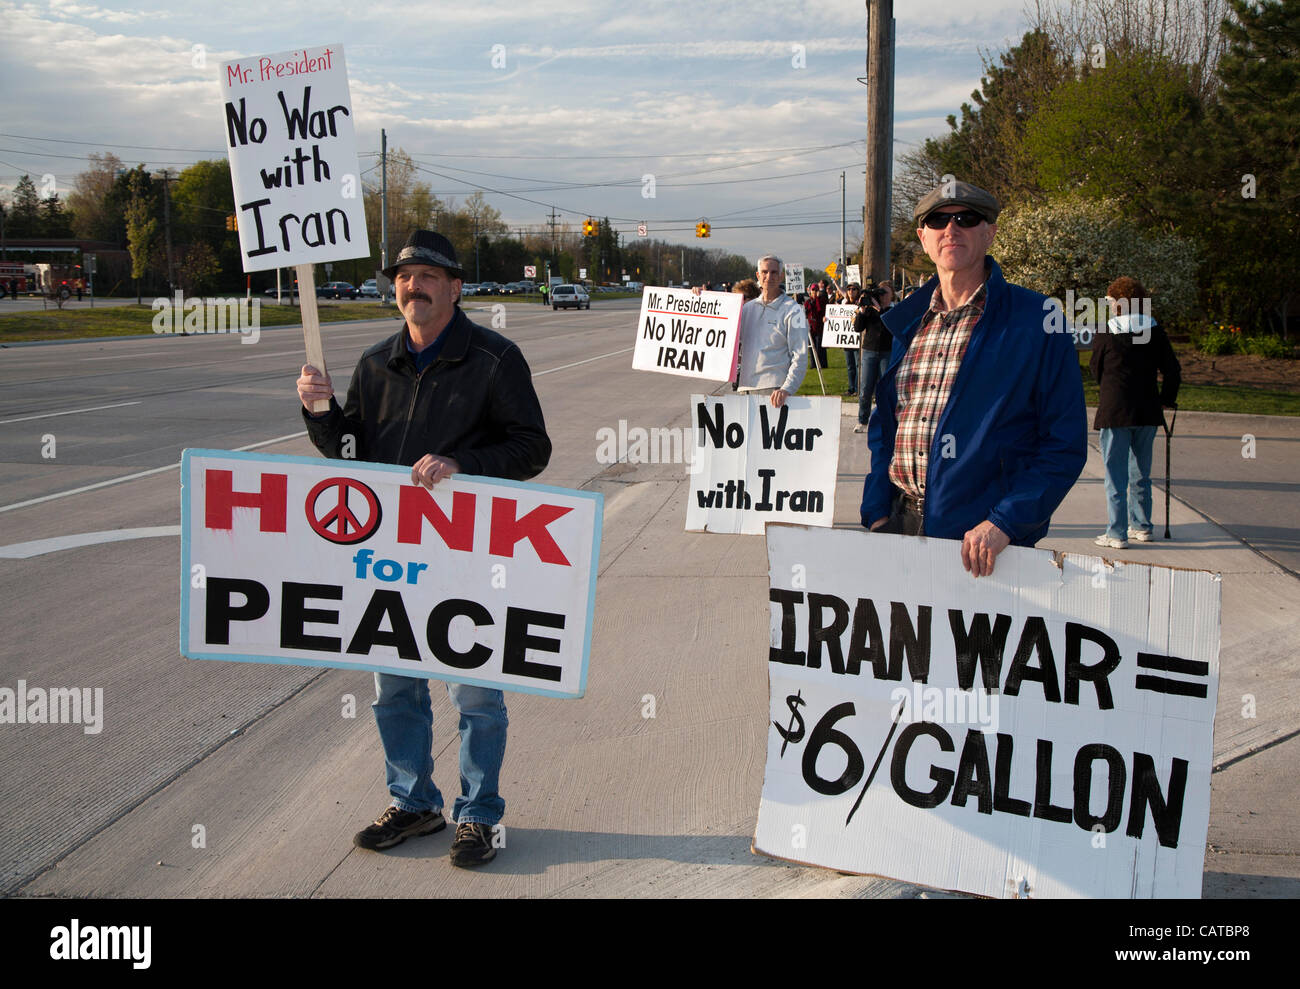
point(220, 612)
point(1034, 640)
point(294, 615)
point(718, 431)
point(436, 631)
point(1117, 778)
point(519, 640)
point(786, 652)
point(1002, 800)
point(866, 642)
point(1044, 809)
point(1096, 674)
point(819, 632)
point(385, 604)
point(826, 734)
point(979, 644)
point(912, 641)
point(898, 766)
point(973, 777)
point(1166, 812)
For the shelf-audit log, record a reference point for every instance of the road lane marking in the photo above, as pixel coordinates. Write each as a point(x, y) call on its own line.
point(565, 367)
point(39, 547)
point(123, 357)
point(136, 476)
point(70, 412)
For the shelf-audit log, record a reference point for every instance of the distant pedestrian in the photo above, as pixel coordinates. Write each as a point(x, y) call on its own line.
point(1126, 357)
point(874, 345)
point(815, 312)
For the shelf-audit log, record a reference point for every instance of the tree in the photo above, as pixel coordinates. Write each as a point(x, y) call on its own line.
point(198, 269)
point(1252, 226)
point(25, 214)
point(89, 202)
point(1128, 132)
point(1185, 32)
point(1082, 245)
point(54, 219)
point(141, 226)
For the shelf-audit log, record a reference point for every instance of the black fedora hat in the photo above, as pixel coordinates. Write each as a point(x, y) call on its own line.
point(426, 247)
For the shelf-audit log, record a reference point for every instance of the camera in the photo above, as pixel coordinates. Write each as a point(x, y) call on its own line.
point(876, 293)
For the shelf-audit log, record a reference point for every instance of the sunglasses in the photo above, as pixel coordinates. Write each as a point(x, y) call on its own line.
point(966, 219)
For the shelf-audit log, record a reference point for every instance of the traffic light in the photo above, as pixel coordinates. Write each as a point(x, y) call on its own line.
point(702, 228)
point(232, 222)
point(590, 227)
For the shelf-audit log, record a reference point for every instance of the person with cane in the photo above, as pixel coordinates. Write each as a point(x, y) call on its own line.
point(1127, 356)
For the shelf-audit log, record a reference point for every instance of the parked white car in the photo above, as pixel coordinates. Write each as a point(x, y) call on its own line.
point(570, 297)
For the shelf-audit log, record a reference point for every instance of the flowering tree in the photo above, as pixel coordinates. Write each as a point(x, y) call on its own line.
point(1083, 245)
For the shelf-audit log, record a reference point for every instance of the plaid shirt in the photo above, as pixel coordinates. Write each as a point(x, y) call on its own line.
point(924, 383)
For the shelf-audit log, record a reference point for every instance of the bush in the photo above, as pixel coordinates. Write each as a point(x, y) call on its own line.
point(1084, 245)
point(1267, 346)
point(1215, 340)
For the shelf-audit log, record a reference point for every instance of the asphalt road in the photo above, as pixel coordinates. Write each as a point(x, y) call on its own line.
point(260, 762)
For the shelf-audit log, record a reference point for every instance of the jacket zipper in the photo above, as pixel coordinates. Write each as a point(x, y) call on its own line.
point(410, 413)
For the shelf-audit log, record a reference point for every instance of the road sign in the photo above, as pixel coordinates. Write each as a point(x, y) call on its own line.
point(642, 229)
point(530, 271)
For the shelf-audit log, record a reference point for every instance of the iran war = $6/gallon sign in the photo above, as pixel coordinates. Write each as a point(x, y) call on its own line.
point(1047, 730)
point(340, 563)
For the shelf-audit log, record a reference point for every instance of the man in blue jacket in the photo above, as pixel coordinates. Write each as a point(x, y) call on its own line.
point(979, 428)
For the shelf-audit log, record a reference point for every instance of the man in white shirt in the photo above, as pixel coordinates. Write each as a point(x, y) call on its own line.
point(773, 338)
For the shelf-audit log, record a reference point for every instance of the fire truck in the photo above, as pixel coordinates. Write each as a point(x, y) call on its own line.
point(62, 280)
point(15, 276)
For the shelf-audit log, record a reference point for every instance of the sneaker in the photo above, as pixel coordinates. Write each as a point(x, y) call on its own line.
point(1110, 542)
point(860, 428)
point(1140, 535)
point(473, 845)
point(396, 825)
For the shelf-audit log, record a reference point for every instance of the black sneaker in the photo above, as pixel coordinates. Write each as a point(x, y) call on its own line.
point(473, 845)
point(395, 826)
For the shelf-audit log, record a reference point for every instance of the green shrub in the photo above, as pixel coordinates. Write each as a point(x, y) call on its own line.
point(1215, 340)
point(1267, 346)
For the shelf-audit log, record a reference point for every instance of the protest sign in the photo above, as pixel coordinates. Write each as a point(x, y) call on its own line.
point(837, 330)
point(346, 564)
point(1045, 731)
point(678, 332)
point(754, 464)
point(853, 275)
point(293, 158)
point(794, 278)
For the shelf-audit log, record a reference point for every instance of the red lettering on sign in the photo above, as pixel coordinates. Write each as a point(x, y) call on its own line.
point(508, 530)
point(416, 504)
point(220, 500)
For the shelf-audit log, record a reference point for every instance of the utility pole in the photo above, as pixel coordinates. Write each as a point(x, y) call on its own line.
point(554, 252)
point(880, 139)
point(843, 259)
point(167, 227)
point(383, 203)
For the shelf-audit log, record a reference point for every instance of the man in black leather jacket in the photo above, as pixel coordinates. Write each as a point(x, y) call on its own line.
point(444, 396)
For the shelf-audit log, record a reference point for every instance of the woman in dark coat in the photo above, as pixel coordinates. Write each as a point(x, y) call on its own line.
point(1126, 358)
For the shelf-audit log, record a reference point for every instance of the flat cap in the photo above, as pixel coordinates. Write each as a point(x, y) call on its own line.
point(958, 194)
point(427, 247)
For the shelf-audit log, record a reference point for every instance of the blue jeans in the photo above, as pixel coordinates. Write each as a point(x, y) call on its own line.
point(851, 356)
point(873, 364)
point(1126, 452)
point(405, 719)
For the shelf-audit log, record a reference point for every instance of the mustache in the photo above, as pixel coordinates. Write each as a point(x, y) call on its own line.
point(418, 295)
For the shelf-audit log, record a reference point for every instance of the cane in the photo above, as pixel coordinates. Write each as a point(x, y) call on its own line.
point(1169, 434)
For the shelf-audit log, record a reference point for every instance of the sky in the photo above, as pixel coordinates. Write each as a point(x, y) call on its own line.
point(745, 113)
